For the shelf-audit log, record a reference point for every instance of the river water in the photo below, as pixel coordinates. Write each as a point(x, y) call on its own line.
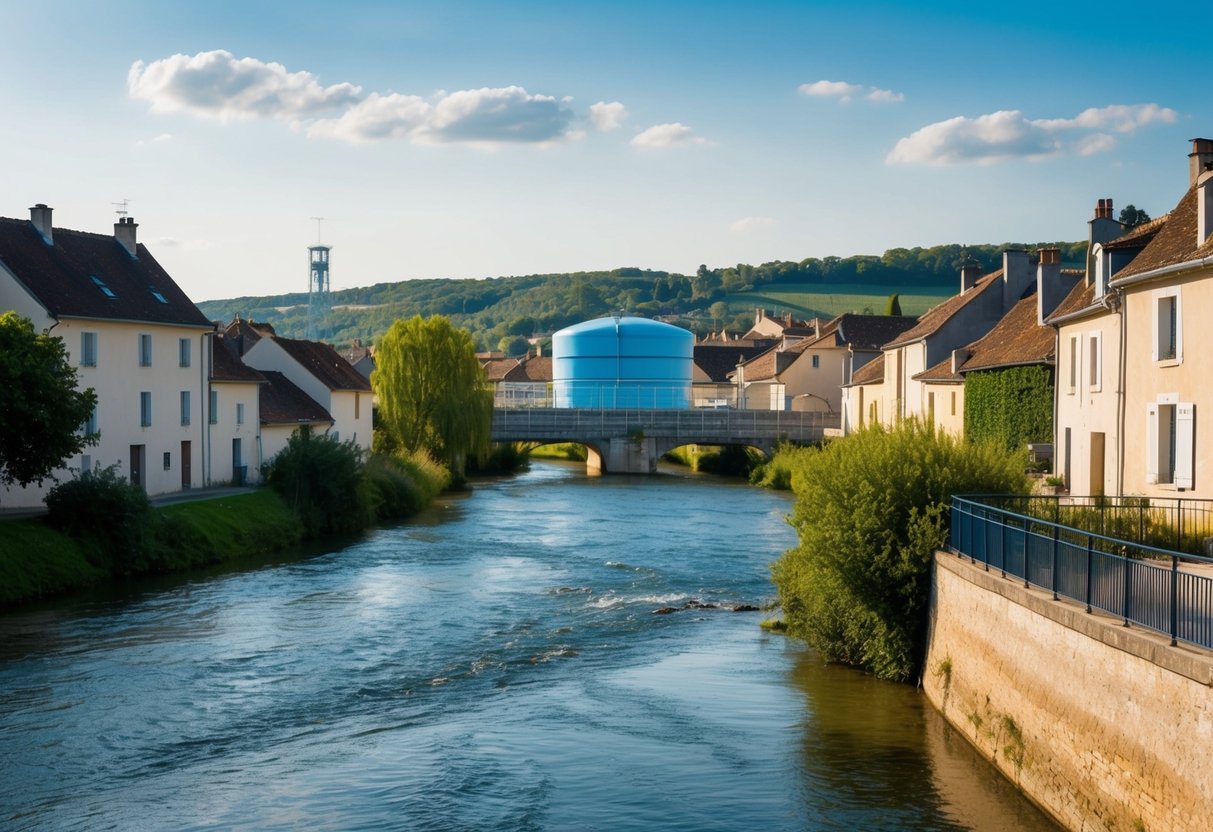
point(493, 665)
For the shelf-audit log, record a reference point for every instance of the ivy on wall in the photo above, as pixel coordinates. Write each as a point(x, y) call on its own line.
point(1011, 406)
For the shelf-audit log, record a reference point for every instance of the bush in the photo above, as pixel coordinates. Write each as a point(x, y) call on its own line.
point(503, 458)
point(776, 472)
point(871, 509)
point(109, 514)
point(322, 480)
point(402, 485)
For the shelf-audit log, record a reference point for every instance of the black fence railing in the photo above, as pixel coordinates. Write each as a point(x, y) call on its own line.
point(1156, 587)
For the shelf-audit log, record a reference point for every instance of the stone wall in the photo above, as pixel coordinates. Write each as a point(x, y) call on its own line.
point(1105, 727)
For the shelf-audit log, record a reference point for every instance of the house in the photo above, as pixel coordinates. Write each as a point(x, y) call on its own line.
point(807, 374)
point(283, 409)
point(770, 328)
point(320, 372)
point(714, 361)
point(902, 391)
point(360, 358)
point(526, 384)
point(233, 415)
point(134, 337)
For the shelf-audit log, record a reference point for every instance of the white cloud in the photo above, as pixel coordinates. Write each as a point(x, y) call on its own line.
point(377, 117)
point(667, 135)
point(218, 85)
point(1007, 134)
point(1094, 143)
point(831, 89)
point(606, 116)
point(161, 139)
point(884, 96)
point(748, 224)
point(843, 91)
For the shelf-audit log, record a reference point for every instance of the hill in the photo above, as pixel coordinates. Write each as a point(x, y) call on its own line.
point(496, 310)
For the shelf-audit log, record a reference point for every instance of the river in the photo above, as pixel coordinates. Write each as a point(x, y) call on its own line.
point(496, 664)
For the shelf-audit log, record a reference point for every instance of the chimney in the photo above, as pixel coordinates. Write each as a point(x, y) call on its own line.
point(1204, 206)
point(959, 356)
point(970, 273)
point(1199, 159)
point(40, 218)
point(1017, 276)
point(759, 314)
point(1049, 289)
point(124, 232)
point(789, 319)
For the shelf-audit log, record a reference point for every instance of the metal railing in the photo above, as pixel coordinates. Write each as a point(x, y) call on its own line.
point(623, 396)
point(1158, 588)
point(703, 425)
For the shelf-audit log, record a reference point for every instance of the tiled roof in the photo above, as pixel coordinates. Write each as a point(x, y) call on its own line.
point(355, 354)
point(244, 334)
point(226, 364)
point(1015, 340)
point(774, 361)
point(282, 403)
point(1174, 243)
point(1140, 235)
point(496, 369)
point(322, 361)
point(940, 314)
point(941, 372)
point(718, 359)
point(64, 277)
point(533, 368)
point(870, 373)
point(871, 332)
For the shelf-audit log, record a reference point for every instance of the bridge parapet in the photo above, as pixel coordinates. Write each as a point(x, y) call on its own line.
point(632, 440)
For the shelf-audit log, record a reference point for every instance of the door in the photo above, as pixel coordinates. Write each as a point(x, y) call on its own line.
point(137, 465)
point(186, 473)
point(237, 464)
point(1097, 463)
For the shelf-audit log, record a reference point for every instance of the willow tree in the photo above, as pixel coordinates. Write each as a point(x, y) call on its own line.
point(432, 393)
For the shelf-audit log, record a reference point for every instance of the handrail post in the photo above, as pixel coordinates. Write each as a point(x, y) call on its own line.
point(1002, 545)
point(1090, 564)
point(1174, 599)
point(1053, 577)
point(1128, 585)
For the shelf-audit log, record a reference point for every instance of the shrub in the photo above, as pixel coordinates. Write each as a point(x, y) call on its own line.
point(402, 485)
point(776, 472)
point(322, 480)
point(871, 509)
point(502, 458)
point(109, 514)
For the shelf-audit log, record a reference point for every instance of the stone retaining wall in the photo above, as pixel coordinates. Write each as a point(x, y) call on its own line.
point(1105, 727)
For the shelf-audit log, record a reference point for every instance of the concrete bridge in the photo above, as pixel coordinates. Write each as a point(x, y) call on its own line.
point(631, 441)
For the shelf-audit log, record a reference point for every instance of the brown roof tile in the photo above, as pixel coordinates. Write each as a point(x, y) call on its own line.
point(718, 359)
point(941, 372)
point(870, 373)
point(1174, 243)
point(62, 276)
point(1015, 340)
point(496, 369)
point(1140, 235)
point(531, 369)
point(226, 364)
point(940, 314)
point(282, 403)
point(1081, 297)
point(322, 361)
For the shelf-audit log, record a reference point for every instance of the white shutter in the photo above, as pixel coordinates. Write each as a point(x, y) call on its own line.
point(1151, 442)
point(1185, 445)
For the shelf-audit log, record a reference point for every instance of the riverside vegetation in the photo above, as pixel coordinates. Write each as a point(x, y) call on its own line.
point(100, 527)
point(871, 509)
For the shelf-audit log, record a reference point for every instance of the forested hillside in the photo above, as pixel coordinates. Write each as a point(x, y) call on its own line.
point(500, 311)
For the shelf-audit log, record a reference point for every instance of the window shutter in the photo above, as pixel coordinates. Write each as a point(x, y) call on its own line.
point(1151, 442)
point(1185, 445)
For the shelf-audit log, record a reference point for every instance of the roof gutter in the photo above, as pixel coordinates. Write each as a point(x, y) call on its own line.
point(1162, 271)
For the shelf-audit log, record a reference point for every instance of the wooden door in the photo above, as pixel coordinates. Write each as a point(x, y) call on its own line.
point(186, 470)
point(1097, 463)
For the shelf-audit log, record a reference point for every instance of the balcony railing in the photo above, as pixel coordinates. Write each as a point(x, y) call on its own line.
point(1154, 586)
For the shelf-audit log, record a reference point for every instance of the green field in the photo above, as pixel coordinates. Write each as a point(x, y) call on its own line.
point(808, 299)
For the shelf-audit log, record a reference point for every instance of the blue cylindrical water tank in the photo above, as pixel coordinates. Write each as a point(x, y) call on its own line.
point(622, 363)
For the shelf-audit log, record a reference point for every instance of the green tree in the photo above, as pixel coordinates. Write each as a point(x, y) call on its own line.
point(893, 307)
point(41, 409)
point(432, 392)
point(1131, 216)
point(513, 345)
point(871, 509)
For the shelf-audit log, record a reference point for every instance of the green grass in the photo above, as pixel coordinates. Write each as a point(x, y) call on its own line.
point(212, 531)
point(36, 561)
point(828, 300)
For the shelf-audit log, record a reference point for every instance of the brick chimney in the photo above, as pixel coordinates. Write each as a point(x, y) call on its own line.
point(1204, 206)
point(1049, 291)
point(1199, 159)
point(40, 218)
point(124, 232)
point(970, 273)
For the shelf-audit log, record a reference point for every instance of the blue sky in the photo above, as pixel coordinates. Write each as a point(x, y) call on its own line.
point(468, 139)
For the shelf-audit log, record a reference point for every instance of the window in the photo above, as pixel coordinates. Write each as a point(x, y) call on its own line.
point(953, 403)
point(1073, 364)
point(90, 425)
point(357, 405)
point(156, 294)
point(931, 406)
point(816, 362)
point(86, 463)
point(185, 407)
point(145, 350)
point(88, 349)
point(168, 460)
point(1170, 441)
point(240, 413)
point(214, 407)
point(145, 409)
point(183, 352)
point(100, 284)
point(1168, 326)
point(1095, 362)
